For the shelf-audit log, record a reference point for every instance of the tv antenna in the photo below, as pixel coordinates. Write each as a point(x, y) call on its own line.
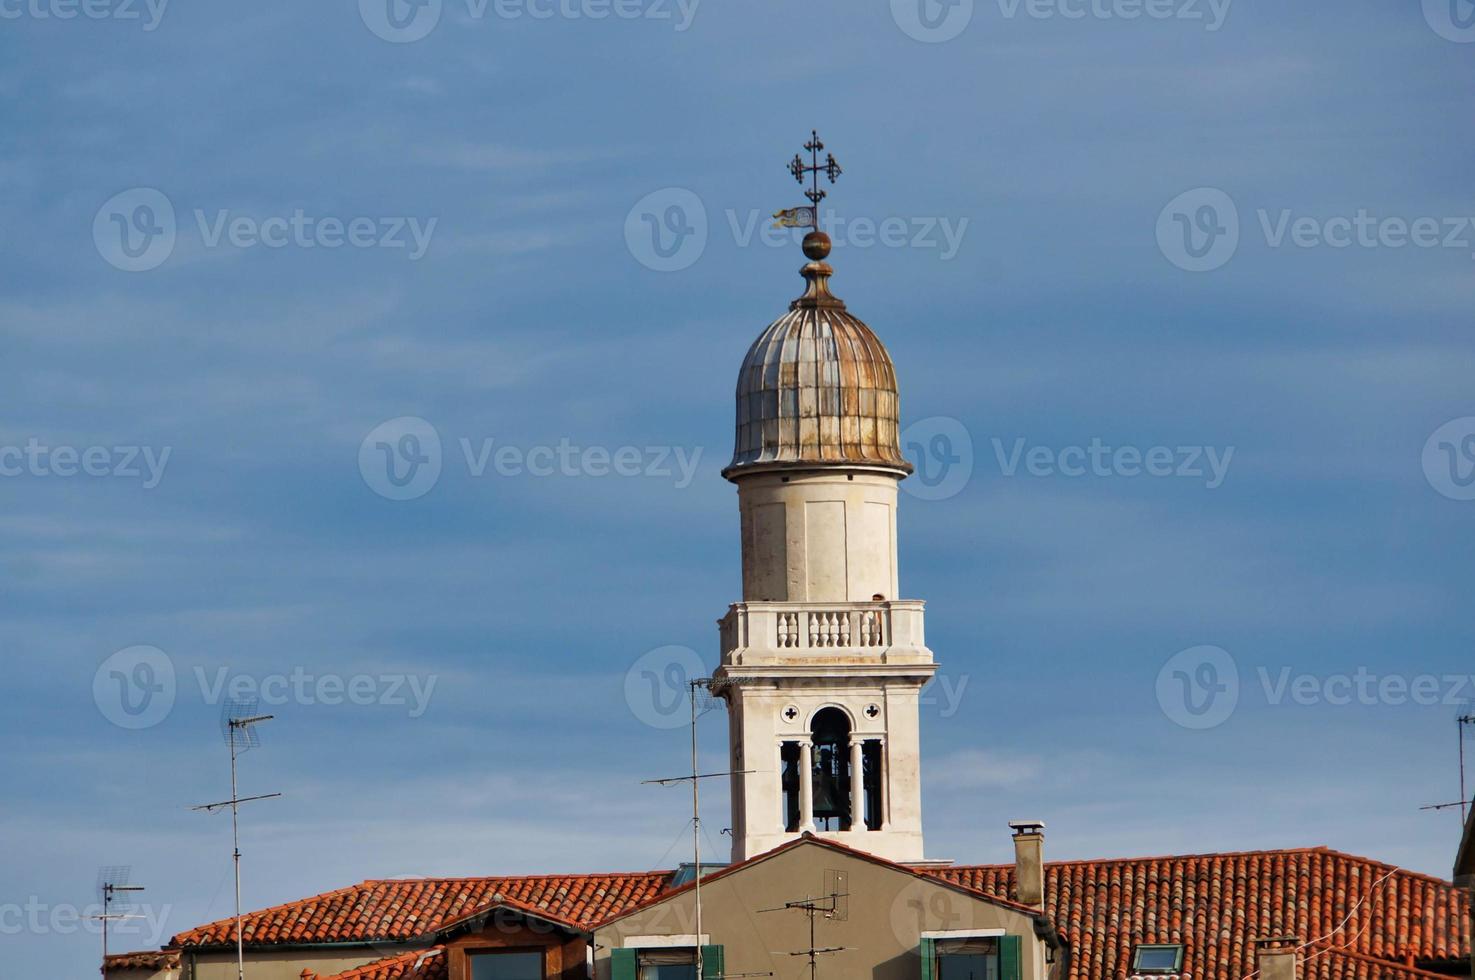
point(110, 881)
point(237, 719)
point(1460, 723)
point(696, 814)
point(828, 905)
point(1464, 801)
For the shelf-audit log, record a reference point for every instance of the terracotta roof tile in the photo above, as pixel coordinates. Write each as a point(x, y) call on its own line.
point(1217, 904)
point(155, 959)
point(419, 964)
point(1346, 965)
point(404, 909)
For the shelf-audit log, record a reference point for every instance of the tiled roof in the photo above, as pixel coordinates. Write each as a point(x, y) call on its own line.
point(1373, 921)
point(404, 909)
point(419, 964)
point(1217, 904)
point(156, 959)
point(1345, 965)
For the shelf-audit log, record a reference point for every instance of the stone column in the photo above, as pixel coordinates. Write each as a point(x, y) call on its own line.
point(806, 786)
point(857, 785)
point(883, 797)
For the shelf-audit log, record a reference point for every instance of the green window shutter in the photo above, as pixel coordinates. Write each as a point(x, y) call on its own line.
point(929, 959)
point(1009, 958)
point(622, 964)
point(712, 966)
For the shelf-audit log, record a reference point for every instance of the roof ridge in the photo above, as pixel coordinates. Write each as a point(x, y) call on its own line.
point(521, 877)
point(811, 838)
point(1435, 879)
point(1312, 849)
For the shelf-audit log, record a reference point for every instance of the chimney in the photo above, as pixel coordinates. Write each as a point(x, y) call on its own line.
point(1029, 862)
point(1276, 958)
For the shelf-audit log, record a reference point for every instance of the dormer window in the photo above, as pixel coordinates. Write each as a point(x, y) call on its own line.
point(1157, 958)
point(500, 964)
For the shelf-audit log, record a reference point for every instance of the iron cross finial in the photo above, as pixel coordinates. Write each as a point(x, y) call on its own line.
point(829, 168)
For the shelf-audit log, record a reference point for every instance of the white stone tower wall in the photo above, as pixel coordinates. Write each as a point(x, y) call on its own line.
point(818, 536)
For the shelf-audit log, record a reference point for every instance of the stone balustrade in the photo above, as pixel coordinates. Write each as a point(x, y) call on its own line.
point(822, 629)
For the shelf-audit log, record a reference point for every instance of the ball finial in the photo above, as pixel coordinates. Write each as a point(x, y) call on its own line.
point(816, 246)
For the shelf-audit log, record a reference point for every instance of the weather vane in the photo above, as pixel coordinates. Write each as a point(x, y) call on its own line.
point(808, 217)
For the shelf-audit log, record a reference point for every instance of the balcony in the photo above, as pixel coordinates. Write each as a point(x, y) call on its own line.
point(779, 632)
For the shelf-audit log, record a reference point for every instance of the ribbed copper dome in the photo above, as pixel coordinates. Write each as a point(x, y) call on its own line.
point(817, 389)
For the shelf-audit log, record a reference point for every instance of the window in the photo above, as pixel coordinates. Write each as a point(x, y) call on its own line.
point(1157, 958)
point(968, 959)
point(870, 754)
point(666, 964)
point(507, 965)
point(788, 754)
point(960, 956)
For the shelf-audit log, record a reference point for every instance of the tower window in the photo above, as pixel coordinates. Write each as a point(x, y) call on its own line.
point(789, 770)
point(870, 755)
point(831, 780)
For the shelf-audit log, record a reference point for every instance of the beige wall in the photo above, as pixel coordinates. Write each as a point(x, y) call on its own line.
point(143, 975)
point(285, 964)
point(888, 910)
point(564, 955)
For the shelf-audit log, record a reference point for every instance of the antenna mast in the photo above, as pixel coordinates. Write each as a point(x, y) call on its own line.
point(1461, 722)
point(696, 814)
point(828, 905)
point(238, 731)
point(696, 828)
point(113, 880)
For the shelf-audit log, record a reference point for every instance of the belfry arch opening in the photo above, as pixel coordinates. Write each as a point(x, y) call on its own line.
point(832, 780)
point(830, 734)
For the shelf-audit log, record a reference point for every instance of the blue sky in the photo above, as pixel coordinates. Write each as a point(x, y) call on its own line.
point(1323, 353)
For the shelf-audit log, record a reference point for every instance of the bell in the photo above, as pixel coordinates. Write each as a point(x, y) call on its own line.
point(828, 800)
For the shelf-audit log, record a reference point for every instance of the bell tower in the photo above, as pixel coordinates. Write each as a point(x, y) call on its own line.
point(822, 665)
